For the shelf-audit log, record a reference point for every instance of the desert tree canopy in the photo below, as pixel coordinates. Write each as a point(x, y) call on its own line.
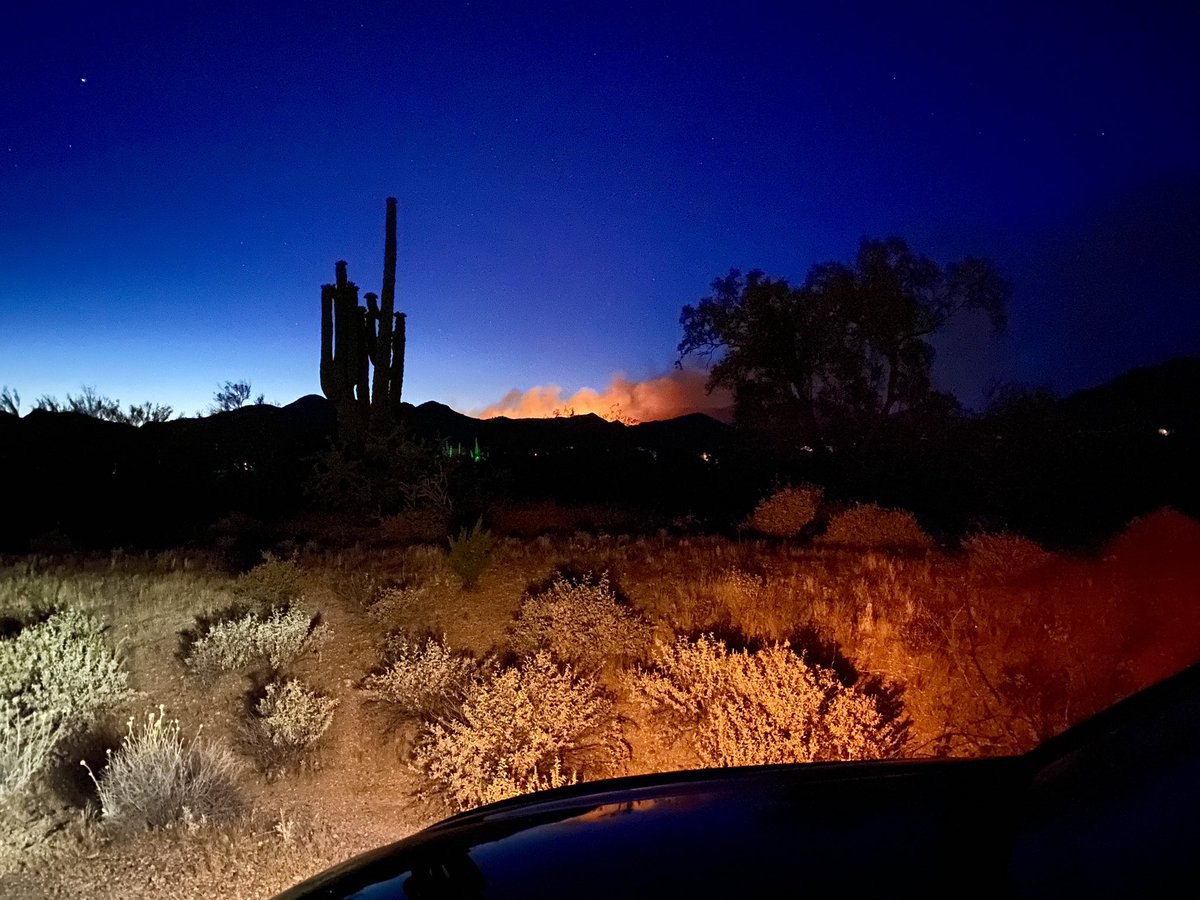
point(849, 348)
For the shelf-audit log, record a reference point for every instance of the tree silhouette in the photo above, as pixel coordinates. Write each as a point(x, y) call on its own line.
point(91, 402)
point(845, 351)
point(10, 401)
point(231, 396)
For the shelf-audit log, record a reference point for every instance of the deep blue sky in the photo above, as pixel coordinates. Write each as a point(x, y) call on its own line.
point(569, 179)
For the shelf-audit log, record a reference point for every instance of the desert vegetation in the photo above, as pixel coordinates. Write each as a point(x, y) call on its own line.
point(201, 703)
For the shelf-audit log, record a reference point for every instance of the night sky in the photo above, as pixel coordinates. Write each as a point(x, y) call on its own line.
point(177, 180)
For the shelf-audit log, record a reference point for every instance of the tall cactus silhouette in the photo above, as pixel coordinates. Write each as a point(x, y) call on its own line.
point(354, 339)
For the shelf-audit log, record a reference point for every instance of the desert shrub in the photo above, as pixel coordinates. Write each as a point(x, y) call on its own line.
point(785, 513)
point(1003, 554)
point(581, 622)
point(27, 742)
point(273, 583)
point(381, 475)
point(470, 552)
point(742, 708)
point(532, 727)
point(292, 717)
point(277, 638)
point(868, 525)
point(62, 665)
point(360, 588)
point(392, 602)
point(56, 677)
point(155, 779)
point(427, 680)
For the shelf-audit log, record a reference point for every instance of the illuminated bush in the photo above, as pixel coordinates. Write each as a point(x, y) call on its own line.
point(1003, 554)
point(27, 742)
point(866, 525)
point(425, 680)
point(274, 583)
point(56, 677)
point(278, 638)
point(786, 512)
point(393, 602)
point(741, 708)
point(532, 727)
point(580, 622)
point(470, 552)
point(289, 719)
point(155, 779)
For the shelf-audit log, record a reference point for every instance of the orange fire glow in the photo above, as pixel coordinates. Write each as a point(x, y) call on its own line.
point(665, 397)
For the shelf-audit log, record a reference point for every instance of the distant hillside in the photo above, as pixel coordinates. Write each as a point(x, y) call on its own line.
point(1146, 399)
point(98, 483)
point(692, 433)
point(1067, 471)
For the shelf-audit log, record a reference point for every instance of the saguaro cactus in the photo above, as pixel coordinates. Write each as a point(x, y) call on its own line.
point(353, 339)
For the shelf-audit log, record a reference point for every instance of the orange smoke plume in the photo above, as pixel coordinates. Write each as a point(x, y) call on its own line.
point(665, 397)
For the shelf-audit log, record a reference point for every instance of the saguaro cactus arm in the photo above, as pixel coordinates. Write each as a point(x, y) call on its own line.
point(397, 375)
point(372, 318)
point(330, 385)
point(383, 355)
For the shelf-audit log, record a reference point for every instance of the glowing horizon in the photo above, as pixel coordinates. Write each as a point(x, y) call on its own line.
point(652, 399)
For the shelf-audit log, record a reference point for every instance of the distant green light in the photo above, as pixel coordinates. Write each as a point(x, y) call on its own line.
point(475, 454)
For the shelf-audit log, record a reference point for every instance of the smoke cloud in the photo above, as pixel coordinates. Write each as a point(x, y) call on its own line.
point(665, 397)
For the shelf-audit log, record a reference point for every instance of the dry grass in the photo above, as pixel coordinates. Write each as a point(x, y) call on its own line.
point(156, 778)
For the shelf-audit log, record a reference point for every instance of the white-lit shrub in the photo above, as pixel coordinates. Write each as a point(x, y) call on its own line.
point(56, 677)
point(580, 622)
point(533, 726)
point(277, 638)
point(62, 665)
point(156, 778)
point(294, 717)
point(427, 680)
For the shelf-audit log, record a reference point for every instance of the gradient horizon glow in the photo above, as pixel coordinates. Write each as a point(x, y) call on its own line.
point(177, 181)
